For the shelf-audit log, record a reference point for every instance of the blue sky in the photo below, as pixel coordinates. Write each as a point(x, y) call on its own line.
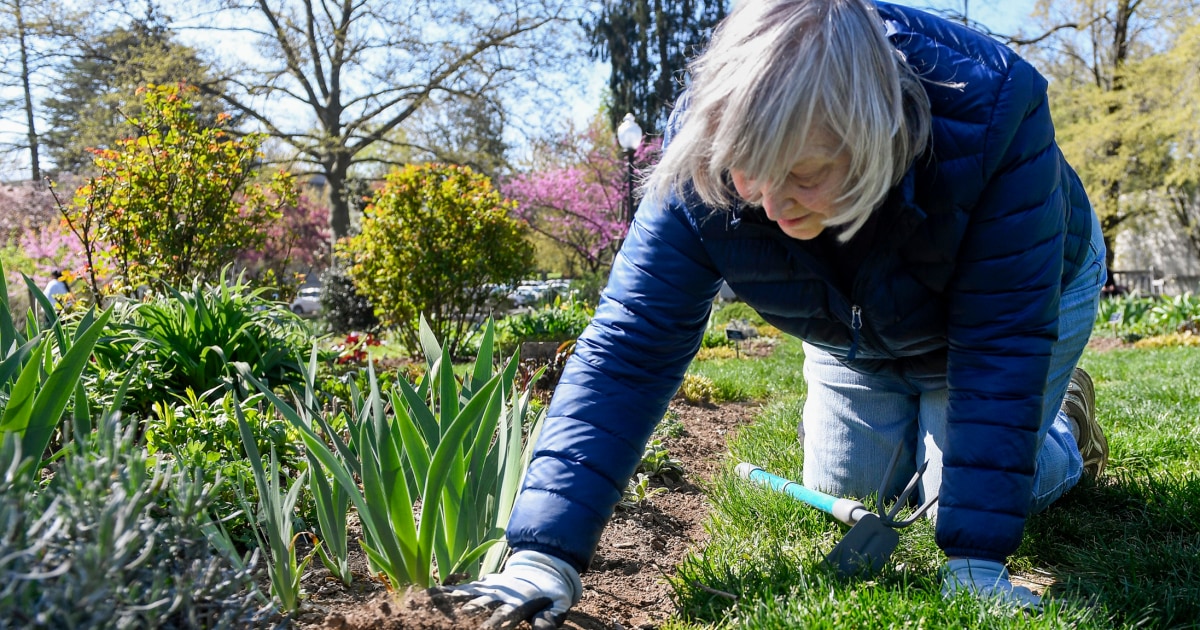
point(1002, 17)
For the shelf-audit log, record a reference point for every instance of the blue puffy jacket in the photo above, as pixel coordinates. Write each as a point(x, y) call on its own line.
point(971, 252)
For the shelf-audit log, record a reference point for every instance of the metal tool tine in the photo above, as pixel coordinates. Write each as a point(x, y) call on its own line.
point(889, 517)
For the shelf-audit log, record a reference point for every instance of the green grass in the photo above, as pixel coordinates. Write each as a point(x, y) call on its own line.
point(757, 379)
point(1123, 553)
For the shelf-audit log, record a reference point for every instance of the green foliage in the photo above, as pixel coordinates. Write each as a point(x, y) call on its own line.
point(638, 491)
point(188, 341)
point(209, 431)
point(1132, 318)
point(657, 461)
point(457, 451)
point(670, 426)
point(697, 389)
point(343, 308)
point(114, 541)
point(560, 321)
point(432, 239)
point(205, 436)
point(274, 515)
point(40, 371)
point(167, 200)
point(714, 338)
point(1128, 125)
point(98, 88)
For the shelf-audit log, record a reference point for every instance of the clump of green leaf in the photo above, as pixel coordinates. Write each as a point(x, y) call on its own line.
point(116, 541)
point(671, 426)
point(1133, 317)
point(697, 389)
point(638, 491)
point(440, 463)
point(657, 461)
point(189, 340)
point(205, 435)
point(41, 370)
point(560, 321)
point(274, 516)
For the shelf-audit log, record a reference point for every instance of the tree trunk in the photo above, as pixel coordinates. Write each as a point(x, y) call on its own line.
point(35, 167)
point(336, 174)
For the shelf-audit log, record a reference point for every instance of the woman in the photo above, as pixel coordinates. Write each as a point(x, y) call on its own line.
point(884, 185)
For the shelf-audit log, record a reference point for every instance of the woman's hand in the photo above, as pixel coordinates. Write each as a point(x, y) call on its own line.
point(534, 587)
point(986, 579)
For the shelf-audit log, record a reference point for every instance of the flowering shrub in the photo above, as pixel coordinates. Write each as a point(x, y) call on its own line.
point(298, 240)
point(177, 200)
point(580, 202)
point(353, 348)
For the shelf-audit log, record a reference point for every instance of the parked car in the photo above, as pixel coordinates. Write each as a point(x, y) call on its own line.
point(307, 302)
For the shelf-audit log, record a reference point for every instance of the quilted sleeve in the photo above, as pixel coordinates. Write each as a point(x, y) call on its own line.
point(1003, 314)
point(615, 388)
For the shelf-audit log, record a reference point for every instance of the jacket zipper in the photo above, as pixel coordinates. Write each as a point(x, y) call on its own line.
point(855, 326)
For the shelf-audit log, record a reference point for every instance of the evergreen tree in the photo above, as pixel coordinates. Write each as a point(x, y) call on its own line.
point(649, 43)
point(98, 89)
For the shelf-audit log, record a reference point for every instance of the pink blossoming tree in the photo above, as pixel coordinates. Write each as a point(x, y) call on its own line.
point(297, 243)
point(576, 193)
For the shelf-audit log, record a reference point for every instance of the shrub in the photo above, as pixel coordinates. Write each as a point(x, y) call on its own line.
point(697, 389)
point(717, 352)
point(343, 308)
point(175, 201)
point(187, 341)
point(559, 321)
point(1131, 317)
point(114, 541)
point(1169, 341)
point(433, 239)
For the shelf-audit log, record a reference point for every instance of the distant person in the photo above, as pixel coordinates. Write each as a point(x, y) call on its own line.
point(885, 185)
point(57, 291)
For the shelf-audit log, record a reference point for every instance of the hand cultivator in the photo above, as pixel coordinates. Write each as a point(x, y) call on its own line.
point(872, 537)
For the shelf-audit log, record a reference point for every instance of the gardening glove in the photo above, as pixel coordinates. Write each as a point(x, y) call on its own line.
point(986, 580)
point(534, 587)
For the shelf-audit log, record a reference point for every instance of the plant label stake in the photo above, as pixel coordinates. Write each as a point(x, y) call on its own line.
point(872, 537)
point(736, 336)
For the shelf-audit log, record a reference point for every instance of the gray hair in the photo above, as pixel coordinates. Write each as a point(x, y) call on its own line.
point(776, 71)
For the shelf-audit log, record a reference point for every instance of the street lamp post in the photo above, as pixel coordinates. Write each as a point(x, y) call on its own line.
point(629, 135)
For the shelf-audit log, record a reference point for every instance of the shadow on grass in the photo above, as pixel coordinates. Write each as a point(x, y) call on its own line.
point(1129, 544)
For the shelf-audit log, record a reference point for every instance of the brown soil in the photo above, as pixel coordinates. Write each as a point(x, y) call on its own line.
point(1104, 344)
point(625, 587)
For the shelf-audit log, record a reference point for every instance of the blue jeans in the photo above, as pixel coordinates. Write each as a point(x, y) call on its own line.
point(853, 421)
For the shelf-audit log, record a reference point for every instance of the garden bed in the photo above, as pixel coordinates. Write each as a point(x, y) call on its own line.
point(625, 586)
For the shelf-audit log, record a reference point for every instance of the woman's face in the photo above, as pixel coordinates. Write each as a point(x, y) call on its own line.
point(807, 197)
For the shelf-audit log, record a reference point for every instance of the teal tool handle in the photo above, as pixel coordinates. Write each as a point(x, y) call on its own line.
point(844, 510)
